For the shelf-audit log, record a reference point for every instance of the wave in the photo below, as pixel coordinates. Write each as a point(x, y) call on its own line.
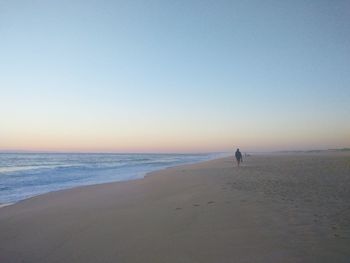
point(26, 175)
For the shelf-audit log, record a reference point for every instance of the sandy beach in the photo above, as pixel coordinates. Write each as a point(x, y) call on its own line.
point(275, 208)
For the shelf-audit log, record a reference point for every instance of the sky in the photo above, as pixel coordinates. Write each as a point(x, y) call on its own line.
point(174, 76)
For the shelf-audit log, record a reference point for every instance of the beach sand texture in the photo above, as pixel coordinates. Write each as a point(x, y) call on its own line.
point(275, 208)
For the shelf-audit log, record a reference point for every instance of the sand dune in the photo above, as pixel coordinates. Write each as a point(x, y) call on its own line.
point(275, 208)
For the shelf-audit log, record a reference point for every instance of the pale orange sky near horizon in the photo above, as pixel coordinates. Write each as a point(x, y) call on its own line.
point(171, 138)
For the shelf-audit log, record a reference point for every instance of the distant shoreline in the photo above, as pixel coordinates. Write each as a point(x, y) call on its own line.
point(316, 151)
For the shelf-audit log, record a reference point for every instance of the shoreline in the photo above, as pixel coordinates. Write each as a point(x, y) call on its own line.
point(5, 204)
point(2, 205)
point(286, 153)
point(272, 209)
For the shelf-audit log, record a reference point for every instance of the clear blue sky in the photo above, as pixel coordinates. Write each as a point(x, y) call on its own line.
point(174, 75)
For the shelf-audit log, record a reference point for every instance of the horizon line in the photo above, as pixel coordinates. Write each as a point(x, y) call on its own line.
point(17, 151)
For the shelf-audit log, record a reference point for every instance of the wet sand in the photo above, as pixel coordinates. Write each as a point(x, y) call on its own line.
point(275, 208)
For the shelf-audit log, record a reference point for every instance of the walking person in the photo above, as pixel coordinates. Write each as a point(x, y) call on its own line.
point(239, 157)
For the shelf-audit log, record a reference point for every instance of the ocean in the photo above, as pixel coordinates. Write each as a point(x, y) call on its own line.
point(23, 175)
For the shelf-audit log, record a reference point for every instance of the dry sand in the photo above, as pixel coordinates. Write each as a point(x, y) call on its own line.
point(287, 208)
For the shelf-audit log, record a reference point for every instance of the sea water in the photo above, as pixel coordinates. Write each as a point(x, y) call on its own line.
point(23, 175)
